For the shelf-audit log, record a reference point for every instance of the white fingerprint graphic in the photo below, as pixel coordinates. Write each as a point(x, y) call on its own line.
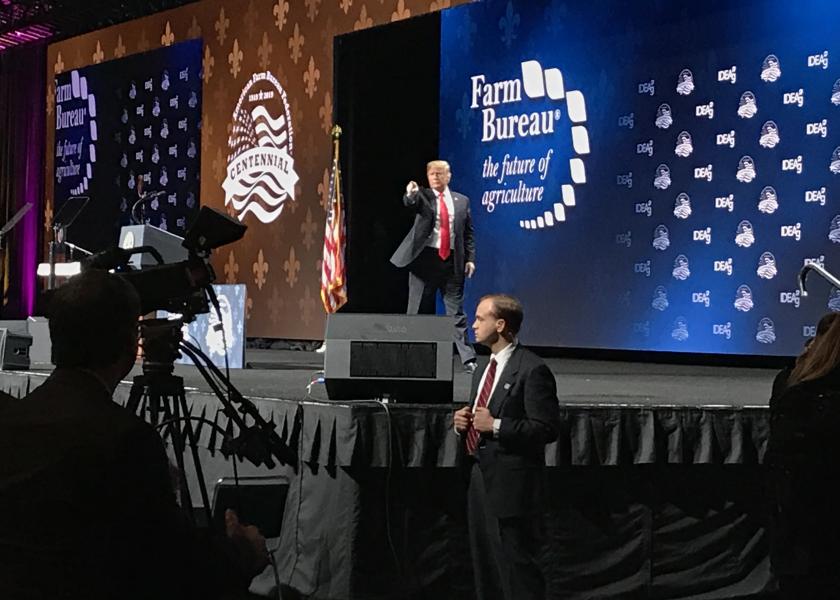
point(684, 145)
point(766, 266)
point(746, 169)
point(768, 201)
point(766, 331)
point(660, 299)
point(663, 116)
point(835, 161)
point(744, 236)
point(661, 238)
point(685, 83)
point(834, 300)
point(682, 206)
point(835, 93)
point(834, 231)
point(680, 329)
point(771, 70)
point(681, 268)
point(744, 299)
point(747, 108)
point(769, 135)
point(662, 179)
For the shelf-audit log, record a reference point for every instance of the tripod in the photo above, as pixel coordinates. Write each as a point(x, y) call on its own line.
point(160, 394)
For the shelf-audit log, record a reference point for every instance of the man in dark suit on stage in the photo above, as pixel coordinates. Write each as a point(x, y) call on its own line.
point(87, 508)
point(513, 414)
point(439, 251)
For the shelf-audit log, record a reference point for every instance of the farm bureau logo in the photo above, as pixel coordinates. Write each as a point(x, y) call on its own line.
point(75, 134)
point(547, 87)
point(261, 171)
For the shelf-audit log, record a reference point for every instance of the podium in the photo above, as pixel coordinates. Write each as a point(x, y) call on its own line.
point(168, 244)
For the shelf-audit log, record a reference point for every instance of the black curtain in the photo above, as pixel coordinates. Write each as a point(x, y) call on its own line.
point(386, 89)
point(22, 147)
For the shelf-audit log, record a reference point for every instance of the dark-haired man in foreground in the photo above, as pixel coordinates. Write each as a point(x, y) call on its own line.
point(87, 509)
point(513, 414)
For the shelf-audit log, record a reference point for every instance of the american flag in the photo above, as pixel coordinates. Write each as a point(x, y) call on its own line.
point(333, 272)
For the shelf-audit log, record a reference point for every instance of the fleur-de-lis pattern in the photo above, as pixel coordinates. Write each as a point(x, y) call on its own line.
point(312, 9)
point(195, 29)
point(296, 45)
point(119, 50)
point(99, 54)
point(325, 112)
point(231, 268)
point(50, 98)
point(264, 52)
point(221, 27)
point(311, 78)
point(364, 20)
point(324, 190)
point(281, 9)
point(292, 266)
point(235, 58)
point(307, 229)
point(207, 64)
point(292, 40)
point(260, 269)
point(168, 36)
point(401, 12)
point(509, 24)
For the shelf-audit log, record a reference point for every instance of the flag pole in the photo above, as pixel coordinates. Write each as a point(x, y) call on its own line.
point(333, 273)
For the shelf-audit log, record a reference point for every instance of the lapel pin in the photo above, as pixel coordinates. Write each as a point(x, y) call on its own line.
point(507, 386)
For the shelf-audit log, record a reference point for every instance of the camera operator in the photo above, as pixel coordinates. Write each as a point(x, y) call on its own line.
point(87, 509)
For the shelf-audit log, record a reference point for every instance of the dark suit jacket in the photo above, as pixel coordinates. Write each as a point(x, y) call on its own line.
point(87, 509)
point(804, 470)
point(525, 399)
point(424, 203)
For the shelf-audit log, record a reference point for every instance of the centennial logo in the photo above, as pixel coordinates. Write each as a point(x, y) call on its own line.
point(261, 173)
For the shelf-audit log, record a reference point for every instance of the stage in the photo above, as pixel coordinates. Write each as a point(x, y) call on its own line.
point(285, 374)
point(656, 482)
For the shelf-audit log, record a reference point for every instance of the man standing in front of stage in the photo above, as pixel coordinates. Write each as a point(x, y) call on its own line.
point(439, 251)
point(514, 413)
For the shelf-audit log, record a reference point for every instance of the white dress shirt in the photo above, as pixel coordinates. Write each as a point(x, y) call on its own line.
point(501, 358)
point(434, 241)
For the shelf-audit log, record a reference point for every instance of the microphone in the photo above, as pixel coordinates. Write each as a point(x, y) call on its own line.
point(141, 201)
point(803, 274)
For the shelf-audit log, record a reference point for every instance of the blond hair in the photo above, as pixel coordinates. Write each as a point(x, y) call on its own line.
point(437, 163)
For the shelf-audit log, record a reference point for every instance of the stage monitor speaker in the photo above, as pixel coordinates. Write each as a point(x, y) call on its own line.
point(404, 358)
point(14, 348)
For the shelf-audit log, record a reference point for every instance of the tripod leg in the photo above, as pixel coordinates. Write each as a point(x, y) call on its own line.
point(179, 449)
point(199, 473)
point(135, 396)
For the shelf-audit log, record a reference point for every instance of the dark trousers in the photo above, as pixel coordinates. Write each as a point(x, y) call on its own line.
point(808, 587)
point(504, 551)
point(427, 275)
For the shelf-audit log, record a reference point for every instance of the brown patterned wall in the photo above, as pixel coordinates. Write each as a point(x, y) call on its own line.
point(279, 262)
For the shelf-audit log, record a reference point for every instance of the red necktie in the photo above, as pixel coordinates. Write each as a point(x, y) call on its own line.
point(483, 397)
point(444, 249)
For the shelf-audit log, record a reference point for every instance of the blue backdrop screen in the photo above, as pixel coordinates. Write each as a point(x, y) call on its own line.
point(648, 175)
point(123, 121)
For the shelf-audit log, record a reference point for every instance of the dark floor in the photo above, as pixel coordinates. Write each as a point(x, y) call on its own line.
point(286, 374)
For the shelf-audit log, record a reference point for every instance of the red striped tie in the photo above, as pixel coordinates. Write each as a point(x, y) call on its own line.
point(445, 244)
point(483, 397)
